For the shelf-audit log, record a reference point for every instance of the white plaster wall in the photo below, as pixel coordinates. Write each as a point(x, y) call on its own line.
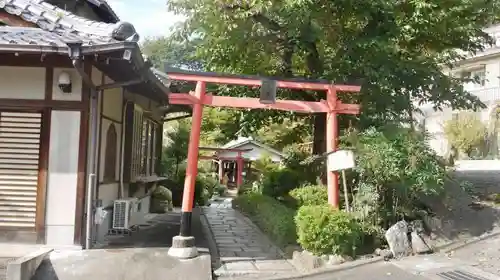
point(22, 82)
point(76, 85)
point(62, 177)
point(107, 194)
point(254, 154)
point(104, 129)
point(493, 73)
point(144, 103)
point(96, 76)
point(113, 104)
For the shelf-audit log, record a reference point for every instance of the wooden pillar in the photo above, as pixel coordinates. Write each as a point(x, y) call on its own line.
point(239, 170)
point(221, 171)
point(192, 162)
point(331, 146)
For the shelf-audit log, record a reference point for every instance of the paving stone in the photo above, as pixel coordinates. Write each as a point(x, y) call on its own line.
point(226, 240)
point(240, 266)
point(228, 254)
point(273, 265)
point(240, 242)
point(230, 249)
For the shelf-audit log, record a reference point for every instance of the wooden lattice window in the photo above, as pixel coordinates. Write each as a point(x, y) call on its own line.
point(110, 154)
point(148, 149)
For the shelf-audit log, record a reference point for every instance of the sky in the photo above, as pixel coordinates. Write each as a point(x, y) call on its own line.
point(149, 17)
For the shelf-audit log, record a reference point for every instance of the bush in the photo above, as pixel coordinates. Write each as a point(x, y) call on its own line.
point(272, 217)
point(278, 183)
point(205, 186)
point(310, 195)
point(220, 190)
point(395, 167)
point(466, 133)
point(161, 200)
point(324, 230)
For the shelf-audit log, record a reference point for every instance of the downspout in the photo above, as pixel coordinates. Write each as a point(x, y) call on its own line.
point(122, 150)
point(74, 52)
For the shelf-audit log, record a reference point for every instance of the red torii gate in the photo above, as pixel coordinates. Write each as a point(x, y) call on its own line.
point(183, 245)
point(238, 158)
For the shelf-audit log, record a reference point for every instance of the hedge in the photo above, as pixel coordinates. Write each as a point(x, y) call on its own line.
point(272, 217)
point(323, 230)
point(310, 195)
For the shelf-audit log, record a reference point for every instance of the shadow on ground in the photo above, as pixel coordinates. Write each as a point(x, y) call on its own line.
point(142, 255)
point(463, 214)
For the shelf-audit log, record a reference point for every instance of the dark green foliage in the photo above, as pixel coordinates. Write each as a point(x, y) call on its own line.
point(272, 217)
point(175, 152)
point(277, 183)
point(394, 49)
point(394, 167)
point(161, 200)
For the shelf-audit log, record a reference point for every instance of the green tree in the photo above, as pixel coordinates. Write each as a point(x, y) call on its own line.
point(394, 49)
point(466, 132)
point(176, 53)
point(394, 168)
point(175, 151)
point(285, 133)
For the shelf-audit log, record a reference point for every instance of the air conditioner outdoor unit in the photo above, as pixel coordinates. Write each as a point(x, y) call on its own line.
point(122, 213)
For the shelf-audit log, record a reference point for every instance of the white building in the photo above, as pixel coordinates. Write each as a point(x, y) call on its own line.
point(72, 115)
point(484, 65)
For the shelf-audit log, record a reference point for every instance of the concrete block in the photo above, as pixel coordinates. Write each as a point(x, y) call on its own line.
point(25, 267)
point(183, 247)
point(125, 264)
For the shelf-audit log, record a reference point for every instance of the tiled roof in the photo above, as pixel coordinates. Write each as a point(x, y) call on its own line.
point(25, 36)
point(104, 4)
point(58, 27)
point(234, 144)
point(62, 24)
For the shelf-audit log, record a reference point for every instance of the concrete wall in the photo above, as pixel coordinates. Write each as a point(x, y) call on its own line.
point(62, 178)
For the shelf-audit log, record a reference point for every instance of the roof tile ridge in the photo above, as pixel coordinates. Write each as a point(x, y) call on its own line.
point(54, 19)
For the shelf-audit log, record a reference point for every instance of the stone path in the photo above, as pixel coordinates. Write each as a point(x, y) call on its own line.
point(243, 249)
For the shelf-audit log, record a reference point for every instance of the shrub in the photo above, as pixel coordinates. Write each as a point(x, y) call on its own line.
point(272, 217)
point(278, 183)
point(323, 230)
point(247, 187)
point(205, 186)
point(466, 132)
point(395, 167)
point(298, 159)
point(161, 200)
point(220, 190)
point(310, 195)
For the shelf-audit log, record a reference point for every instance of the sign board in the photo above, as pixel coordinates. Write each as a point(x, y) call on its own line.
point(268, 91)
point(340, 160)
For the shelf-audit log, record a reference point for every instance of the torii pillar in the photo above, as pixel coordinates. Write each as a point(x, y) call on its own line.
point(183, 245)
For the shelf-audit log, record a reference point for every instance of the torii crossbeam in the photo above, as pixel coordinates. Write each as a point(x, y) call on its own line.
point(332, 106)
